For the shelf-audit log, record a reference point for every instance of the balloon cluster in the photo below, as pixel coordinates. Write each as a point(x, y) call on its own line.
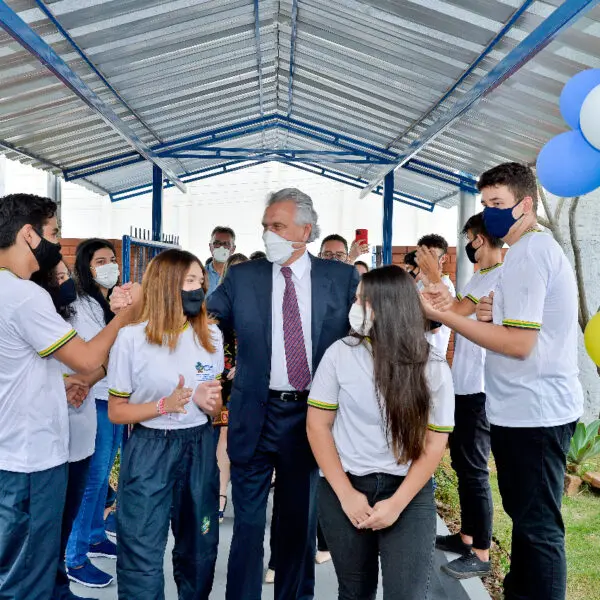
point(569, 164)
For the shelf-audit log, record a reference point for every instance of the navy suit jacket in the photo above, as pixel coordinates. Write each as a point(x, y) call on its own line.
point(243, 302)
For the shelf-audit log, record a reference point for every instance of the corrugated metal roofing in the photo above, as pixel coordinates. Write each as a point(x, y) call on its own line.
point(378, 71)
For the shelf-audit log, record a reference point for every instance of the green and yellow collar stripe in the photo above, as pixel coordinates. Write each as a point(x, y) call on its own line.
point(118, 394)
point(459, 297)
point(473, 299)
point(322, 405)
point(522, 324)
point(59, 344)
point(440, 428)
point(488, 269)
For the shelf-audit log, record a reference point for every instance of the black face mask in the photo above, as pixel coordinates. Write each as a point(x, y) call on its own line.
point(47, 254)
point(192, 302)
point(67, 293)
point(471, 252)
point(412, 274)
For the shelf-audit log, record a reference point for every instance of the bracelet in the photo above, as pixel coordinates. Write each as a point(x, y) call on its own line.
point(160, 406)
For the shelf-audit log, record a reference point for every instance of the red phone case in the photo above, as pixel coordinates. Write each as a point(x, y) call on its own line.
point(362, 235)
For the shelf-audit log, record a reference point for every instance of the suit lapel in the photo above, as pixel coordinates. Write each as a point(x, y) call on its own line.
point(320, 298)
point(263, 288)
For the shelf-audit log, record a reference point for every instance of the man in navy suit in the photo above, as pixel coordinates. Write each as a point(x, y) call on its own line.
point(286, 311)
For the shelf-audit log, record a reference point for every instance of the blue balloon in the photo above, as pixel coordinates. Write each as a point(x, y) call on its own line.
point(575, 92)
point(568, 166)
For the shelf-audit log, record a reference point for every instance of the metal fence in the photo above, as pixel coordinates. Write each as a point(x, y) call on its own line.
point(139, 249)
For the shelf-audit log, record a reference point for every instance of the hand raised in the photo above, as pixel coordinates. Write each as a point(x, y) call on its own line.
point(179, 397)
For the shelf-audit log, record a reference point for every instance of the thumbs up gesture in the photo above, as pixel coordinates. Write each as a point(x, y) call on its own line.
point(179, 397)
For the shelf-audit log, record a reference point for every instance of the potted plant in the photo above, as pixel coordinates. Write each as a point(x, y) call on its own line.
point(585, 445)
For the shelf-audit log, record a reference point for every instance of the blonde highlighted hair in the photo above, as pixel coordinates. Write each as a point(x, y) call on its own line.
point(162, 305)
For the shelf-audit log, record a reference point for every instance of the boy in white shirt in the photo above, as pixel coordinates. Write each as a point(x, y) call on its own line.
point(34, 428)
point(470, 440)
point(534, 397)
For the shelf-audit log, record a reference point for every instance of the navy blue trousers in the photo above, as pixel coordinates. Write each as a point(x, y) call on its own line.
point(167, 477)
point(31, 511)
point(283, 446)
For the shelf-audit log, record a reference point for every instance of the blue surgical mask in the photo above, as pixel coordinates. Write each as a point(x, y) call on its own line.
point(67, 293)
point(498, 221)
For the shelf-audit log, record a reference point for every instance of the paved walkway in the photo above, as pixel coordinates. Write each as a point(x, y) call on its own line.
point(443, 586)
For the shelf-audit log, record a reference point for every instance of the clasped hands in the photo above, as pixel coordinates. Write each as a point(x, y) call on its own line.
point(364, 516)
point(77, 390)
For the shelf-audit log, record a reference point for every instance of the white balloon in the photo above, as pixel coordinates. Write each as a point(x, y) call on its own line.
point(589, 117)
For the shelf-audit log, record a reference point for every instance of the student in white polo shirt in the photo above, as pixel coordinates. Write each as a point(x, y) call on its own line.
point(380, 409)
point(470, 440)
point(34, 425)
point(162, 378)
point(534, 397)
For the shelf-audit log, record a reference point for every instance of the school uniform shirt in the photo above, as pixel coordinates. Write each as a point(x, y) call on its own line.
point(34, 425)
point(143, 372)
point(344, 382)
point(440, 340)
point(88, 321)
point(468, 366)
point(536, 290)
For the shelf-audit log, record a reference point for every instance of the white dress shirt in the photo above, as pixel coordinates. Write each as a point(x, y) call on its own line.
point(301, 278)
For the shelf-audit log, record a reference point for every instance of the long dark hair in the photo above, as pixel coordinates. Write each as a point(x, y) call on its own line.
point(400, 355)
point(83, 273)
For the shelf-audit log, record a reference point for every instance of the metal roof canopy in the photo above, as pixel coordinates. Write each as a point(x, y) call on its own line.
point(348, 89)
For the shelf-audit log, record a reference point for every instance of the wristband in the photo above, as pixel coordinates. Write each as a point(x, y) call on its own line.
point(160, 407)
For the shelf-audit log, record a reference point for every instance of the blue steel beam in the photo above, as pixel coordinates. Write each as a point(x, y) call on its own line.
point(388, 217)
point(33, 43)
point(561, 19)
point(157, 203)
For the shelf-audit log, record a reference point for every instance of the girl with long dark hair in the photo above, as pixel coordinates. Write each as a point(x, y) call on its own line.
point(380, 409)
point(163, 375)
point(96, 274)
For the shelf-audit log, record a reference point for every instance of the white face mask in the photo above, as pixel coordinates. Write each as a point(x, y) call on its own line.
point(221, 254)
point(107, 275)
point(361, 321)
point(278, 250)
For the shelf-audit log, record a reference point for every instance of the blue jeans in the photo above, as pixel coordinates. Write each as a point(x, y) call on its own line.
point(88, 528)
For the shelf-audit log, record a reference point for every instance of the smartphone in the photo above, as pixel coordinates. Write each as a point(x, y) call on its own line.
point(362, 236)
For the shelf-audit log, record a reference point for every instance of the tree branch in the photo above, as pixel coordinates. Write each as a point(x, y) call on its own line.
point(551, 221)
point(584, 313)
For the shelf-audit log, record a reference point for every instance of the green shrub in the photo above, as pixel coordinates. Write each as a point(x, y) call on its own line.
point(585, 444)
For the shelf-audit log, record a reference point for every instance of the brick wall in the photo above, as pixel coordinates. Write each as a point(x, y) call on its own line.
point(69, 246)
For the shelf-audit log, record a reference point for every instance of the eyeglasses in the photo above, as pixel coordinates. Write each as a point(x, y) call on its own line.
point(218, 244)
point(341, 256)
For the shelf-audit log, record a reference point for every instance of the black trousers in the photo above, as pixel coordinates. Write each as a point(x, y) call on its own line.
point(405, 548)
point(284, 446)
point(78, 472)
point(531, 465)
point(168, 477)
point(31, 509)
point(470, 453)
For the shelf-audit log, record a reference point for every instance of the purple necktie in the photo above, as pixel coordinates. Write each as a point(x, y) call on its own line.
point(295, 348)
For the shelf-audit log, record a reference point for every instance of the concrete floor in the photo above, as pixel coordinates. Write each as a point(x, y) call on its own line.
point(443, 586)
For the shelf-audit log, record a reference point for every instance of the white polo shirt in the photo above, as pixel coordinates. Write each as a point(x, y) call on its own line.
point(34, 425)
point(468, 366)
point(143, 372)
point(440, 340)
point(344, 382)
point(88, 321)
point(536, 290)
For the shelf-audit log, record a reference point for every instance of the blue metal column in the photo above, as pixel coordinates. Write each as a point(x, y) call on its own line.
point(388, 217)
point(157, 200)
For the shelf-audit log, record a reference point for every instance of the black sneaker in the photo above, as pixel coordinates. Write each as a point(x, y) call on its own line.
point(468, 565)
point(452, 543)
